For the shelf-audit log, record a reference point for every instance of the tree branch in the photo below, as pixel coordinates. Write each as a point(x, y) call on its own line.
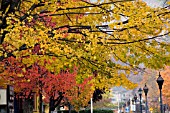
point(30, 10)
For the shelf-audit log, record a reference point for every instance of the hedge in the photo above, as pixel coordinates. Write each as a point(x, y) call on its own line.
point(87, 111)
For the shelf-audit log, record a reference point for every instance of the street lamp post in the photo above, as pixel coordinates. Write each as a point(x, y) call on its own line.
point(135, 98)
point(140, 95)
point(160, 82)
point(145, 89)
point(133, 105)
point(118, 102)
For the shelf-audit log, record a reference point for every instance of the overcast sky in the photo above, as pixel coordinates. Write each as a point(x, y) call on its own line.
point(153, 3)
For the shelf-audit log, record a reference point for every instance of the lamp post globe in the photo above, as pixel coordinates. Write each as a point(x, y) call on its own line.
point(145, 89)
point(133, 100)
point(140, 91)
point(140, 95)
point(160, 82)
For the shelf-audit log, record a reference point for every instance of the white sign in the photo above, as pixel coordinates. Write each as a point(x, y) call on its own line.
point(133, 107)
point(3, 98)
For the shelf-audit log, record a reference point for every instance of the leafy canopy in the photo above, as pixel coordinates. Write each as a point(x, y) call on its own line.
point(110, 37)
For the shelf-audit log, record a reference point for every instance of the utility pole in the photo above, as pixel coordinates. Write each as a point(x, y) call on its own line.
point(91, 105)
point(118, 101)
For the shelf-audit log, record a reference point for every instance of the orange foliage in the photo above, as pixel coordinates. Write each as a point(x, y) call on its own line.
point(166, 86)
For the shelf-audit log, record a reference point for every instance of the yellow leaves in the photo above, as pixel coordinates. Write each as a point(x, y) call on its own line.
point(67, 49)
point(168, 2)
point(127, 72)
point(79, 97)
point(24, 70)
point(74, 39)
point(36, 1)
point(1, 68)
point(28, 61)
point(1, 53)
point(116, 16)
point(20, 75)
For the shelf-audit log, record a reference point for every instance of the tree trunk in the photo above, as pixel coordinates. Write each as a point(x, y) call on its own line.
point(54, 103)
point(69, 107)
point(51, 104)
point(40, 102)
point(27, 106)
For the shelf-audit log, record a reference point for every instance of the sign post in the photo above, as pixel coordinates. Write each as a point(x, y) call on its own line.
point(10, 99)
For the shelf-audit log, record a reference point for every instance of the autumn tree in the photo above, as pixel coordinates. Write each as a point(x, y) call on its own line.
point(37, 79)
point(166, 92)
point(111, 38)
point(149, 78)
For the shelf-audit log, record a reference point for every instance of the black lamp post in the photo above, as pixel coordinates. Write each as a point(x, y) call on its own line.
point(135, 98)
point(145, 89)
point(133, 101)
point(140, 95)
point(133, 104)
point(160, 82)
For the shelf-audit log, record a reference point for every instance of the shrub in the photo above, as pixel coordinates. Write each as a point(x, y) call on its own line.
point(87, 111)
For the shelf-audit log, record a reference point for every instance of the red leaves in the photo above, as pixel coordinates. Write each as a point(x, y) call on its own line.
point(36, 77)
point(36, 49)
point(47, 20)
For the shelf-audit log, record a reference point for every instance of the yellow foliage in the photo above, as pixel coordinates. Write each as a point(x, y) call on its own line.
point(73, 33)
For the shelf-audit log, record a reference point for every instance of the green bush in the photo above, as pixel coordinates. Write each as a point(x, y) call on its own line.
point(103, 111)
point(87, 111)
